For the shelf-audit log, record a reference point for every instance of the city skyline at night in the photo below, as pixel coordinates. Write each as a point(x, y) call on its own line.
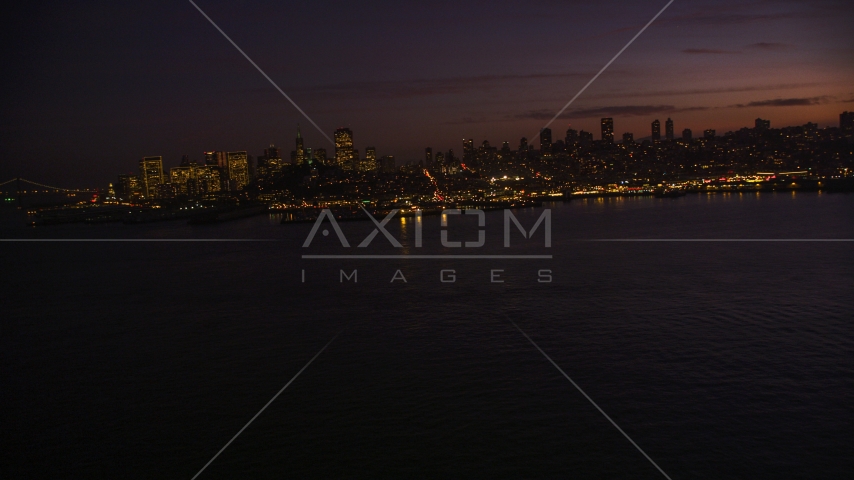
point(347, 157)
point(435, 239)
point(166, 81)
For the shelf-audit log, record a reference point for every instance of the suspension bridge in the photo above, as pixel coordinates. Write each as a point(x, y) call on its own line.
point(13, 189)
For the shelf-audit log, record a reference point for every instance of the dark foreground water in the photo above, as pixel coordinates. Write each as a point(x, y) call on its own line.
point(721, 360)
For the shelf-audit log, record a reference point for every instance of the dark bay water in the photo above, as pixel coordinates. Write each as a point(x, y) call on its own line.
point(720, 359)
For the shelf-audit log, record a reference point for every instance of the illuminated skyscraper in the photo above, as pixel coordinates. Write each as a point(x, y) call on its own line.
point(150, 175)
point(238, 170)
point(300, 149)
point(369, 164)
point(486, 154)
point(166, 190)
point(428, 157)
point(608, 130)
point(668, 129)
point(272, 152)
point(344, 148)
point(271, 164)
point(181, 178)
point(215, 158)
point(387, 164)
point(208, 179)
point(452, 163)
point(628, 138)
point(656, 130)
point(686, 135)
point(320, 155)
point(506, 153)
point(129, 187)
point(546, 142)
point(440, 161)
point(468, 151)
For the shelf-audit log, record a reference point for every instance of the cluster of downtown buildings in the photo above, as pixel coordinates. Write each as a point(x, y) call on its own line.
point(222, 173)
point(571, 162)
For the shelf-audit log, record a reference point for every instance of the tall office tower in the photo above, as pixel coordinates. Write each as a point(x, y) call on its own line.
point(300, 149)
point(428, 157)
point(355, 161)
point(608, 130)
point(571, 137)
point(668, 129)
point(344, 148)
point(238, 170)
point(181, 178)
point(628, 138)
point(585, 138)
point(150, 175)
point(486, 154)
point(656, 130)
point(846, 123)
point(686, 135)
point(506, 153)
point(272, 162)
point(320, 155)
point(208, 179)
point(129, 186)
point(185, 160)
point(216, 158)
point(761, 124)
point(440, 161)
point(273, 152)
point(546, 142)
point(468, 151)
point(369, 164)
point(452, 163)
point(523, 147)
point(709, 133)
point(387, 164)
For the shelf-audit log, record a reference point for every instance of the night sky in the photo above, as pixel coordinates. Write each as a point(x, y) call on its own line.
point(91, 87)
